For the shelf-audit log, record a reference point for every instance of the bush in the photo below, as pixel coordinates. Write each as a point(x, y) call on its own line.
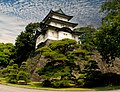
point(12, 78)
point(6, 71)
point(22, 77)
point(81, 82)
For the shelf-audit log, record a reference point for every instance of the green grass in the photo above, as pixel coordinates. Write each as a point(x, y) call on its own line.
point(37, 85)
point(107, 88)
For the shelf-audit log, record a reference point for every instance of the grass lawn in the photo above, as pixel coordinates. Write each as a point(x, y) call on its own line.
point(107, 88)
point(37, 85)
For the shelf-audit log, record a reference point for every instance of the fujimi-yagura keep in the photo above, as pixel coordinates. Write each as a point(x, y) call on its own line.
point(56, 26)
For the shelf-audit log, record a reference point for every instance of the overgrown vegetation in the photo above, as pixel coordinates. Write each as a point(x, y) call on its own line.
point(63, 66)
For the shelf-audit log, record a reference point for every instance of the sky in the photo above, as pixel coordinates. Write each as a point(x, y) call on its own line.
point(16, 14)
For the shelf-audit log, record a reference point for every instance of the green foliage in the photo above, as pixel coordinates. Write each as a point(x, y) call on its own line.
point(86, 37)
point(108, 38)
point(25, 42)
point(87, 33)
point(107, 41)
point(63, 46)
point(111, 8)
point(5, 71)
point(44, 49)
point(81, 80)
point(91, 66)
point(90, 76)
point(13, 74)
point(23, 75)
point(6, 53)
point(12, 77)
point(24, 66)
point(82, 54)
point(11, 63)
point(62, 66)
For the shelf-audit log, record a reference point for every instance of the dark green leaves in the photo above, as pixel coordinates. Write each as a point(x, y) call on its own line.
point(26, 42)
point(108, 38)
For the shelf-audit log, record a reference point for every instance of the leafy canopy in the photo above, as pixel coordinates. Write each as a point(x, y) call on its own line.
point(63, 62)
point(108, 38)
point(6, 53)
point(26, 42)
point(86, 37)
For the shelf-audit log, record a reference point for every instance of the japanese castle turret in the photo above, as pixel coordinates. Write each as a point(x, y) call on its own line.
point(56, 26)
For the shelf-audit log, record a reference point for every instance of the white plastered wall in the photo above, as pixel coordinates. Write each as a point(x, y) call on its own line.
point(63, 35)
point(55, 24)
point(51, 34)
point(60, 25)
point(54, 35)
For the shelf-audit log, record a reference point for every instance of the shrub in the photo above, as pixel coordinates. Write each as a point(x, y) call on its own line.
point(6, 71)
point(22, 77)
point(12, 76)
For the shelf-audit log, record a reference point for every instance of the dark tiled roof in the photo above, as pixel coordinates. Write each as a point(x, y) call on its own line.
point(61, 21)
point(58, 13)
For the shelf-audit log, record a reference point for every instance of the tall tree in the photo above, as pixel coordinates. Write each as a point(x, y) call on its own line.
point(108, 38)
point(26, 42)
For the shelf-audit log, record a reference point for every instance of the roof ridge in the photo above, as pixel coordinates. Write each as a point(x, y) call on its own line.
point(60, 11)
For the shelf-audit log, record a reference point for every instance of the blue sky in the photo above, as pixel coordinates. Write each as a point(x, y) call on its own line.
point(16, 14)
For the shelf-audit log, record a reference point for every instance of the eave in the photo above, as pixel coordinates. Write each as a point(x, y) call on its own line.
point(46, 27)
point(62, 15)
point(61, 22)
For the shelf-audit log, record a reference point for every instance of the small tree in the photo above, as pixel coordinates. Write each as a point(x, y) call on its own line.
point(23, 74)
point(22, 77)
point(12, 77)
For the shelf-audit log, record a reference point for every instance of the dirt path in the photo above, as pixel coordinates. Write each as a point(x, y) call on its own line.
point(4, 88)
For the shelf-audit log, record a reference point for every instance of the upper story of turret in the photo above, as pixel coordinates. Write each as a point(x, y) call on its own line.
point(59, 19)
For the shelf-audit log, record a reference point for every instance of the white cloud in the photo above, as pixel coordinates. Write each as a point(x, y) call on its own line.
point(10, 27)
